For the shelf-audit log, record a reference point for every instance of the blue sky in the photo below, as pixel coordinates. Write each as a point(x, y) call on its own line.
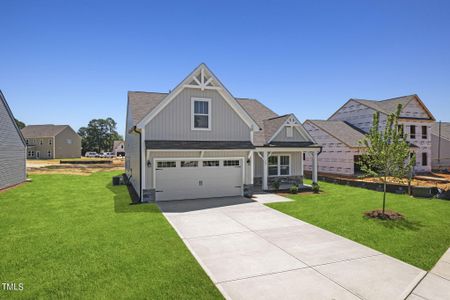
point(67, 62)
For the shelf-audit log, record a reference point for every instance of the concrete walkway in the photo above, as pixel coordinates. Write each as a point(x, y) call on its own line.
point(251, 251)
point(436, 285)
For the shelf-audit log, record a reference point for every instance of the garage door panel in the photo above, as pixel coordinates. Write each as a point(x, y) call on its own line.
point(198, 182)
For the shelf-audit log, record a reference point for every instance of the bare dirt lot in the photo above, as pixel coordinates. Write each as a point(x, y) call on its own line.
point(53, 166)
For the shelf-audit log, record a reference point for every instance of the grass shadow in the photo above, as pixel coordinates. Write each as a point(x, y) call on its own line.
point(123, 201)
point(403, 224)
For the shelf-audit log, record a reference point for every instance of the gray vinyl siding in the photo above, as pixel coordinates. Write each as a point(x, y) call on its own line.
point(132, 152)
point(295, 163)
point(12, 151)
point(296, 137)
point(196, 154)
point(64, 148)
point(174, 121)
point(444, 161)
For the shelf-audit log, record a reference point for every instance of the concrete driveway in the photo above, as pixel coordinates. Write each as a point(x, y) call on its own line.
point(251, 251)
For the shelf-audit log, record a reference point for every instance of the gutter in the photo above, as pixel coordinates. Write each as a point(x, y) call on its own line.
point(135, 130)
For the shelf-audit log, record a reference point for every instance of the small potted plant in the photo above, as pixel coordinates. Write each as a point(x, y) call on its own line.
point(315, 188)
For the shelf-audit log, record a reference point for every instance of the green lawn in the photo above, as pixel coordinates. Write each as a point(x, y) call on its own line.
point(69, 236)
point(421, 239)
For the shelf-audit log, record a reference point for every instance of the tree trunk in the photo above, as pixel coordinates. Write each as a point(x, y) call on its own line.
point(384, 195)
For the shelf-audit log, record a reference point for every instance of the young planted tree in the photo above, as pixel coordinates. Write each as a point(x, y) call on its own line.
point(387, 152)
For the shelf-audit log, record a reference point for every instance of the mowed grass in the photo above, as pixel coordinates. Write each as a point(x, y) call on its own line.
point(69, 236)
point(421, 239)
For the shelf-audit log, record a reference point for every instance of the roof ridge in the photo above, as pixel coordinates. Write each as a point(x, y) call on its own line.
point(273, 118)
point(388, 99)
point(148, 92)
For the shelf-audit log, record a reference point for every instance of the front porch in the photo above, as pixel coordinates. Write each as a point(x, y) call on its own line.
point(283, 165)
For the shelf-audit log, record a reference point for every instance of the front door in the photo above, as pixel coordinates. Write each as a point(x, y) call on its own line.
point(38, 154)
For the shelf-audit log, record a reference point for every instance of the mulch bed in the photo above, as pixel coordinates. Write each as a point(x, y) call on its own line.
point(388, 215)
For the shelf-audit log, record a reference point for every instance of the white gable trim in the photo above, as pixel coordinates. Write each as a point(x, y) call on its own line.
point(211, 83)
point(294, 122)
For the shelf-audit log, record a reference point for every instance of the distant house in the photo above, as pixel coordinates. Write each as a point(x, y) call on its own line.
point(12, 148)
point(119, 148)
point(440, 140)
point(339, 135)
point(51, 141)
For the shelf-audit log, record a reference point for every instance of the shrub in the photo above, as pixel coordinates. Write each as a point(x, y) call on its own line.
point(276, 185)
point(315, 188)
point(293, 189)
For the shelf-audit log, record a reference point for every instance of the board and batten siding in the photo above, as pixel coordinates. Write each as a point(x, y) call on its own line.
point(174, 121)
point(195, 154)
point(12, 151)
point(132, 152)
point(296, 136)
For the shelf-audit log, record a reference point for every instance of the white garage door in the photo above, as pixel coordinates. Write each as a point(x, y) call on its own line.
point(190, 179)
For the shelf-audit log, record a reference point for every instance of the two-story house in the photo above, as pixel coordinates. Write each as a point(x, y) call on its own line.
point(119, 148)
point(339, 136)
point(199, 141)
point(51, 141)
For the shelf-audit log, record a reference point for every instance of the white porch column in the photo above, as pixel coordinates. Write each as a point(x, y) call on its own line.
point(252, 166)
point(314, 167)
point(301, 164)
point(265, 171)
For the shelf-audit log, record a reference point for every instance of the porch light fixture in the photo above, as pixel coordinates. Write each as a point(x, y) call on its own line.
point(149, 163)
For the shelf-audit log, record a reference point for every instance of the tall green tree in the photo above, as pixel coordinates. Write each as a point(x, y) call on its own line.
point(387, 151)
point(99, 135)
point(20, 124)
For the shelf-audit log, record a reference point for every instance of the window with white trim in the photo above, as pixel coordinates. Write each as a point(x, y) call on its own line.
point(279, 165)
point(189, 164)
point(201, 114)
point(231, 163)
point(167, 164)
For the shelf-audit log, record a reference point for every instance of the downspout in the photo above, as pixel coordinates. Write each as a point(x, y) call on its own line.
point(135, 130)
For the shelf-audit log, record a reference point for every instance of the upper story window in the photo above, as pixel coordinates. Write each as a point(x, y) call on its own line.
point(26, 141)
point(69, 141)
point(424, 132)
point(201, 114)
point(412, 131)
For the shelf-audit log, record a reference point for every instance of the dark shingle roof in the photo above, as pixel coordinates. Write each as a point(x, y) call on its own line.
point(445, 130)
point(47, 130)
point(257, 111)
point(141, 103)
point(341, 130)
